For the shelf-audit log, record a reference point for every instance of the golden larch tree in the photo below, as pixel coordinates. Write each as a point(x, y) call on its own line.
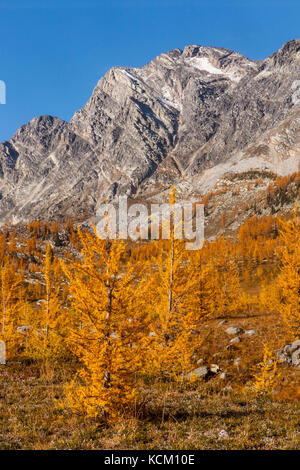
point(48, 324)
point(171, 287)
point(11, 301)
point(106, 290)
point(288, 281)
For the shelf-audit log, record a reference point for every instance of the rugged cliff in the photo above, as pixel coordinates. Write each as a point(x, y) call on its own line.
point(187, 118)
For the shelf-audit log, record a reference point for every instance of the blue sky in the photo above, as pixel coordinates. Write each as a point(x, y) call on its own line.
point(52, 52)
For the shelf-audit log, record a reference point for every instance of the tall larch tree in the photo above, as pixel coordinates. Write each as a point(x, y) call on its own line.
point(48, 328)
point(173, 320)
point(288, 281)
point(106, 289)
point(10, 304)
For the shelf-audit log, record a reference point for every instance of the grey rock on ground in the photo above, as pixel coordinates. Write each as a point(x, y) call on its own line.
point(235, 340)
point(215, 368)
point(201, 372)
point(251, 332)
point(283, 356)
point(237, 362)
point(296, 357)
point(223, 434)
point(295, 345)
point(234, 330)
point(289, 354)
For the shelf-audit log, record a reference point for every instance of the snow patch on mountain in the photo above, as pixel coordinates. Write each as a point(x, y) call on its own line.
point(203, 64)
point(129, 75)
point(169, 99)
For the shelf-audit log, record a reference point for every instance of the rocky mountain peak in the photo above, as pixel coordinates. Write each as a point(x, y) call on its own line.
point(287, 54)
point(188, 118)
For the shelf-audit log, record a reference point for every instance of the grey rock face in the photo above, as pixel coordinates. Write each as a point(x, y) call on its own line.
point(46, 170)
point(186, 118)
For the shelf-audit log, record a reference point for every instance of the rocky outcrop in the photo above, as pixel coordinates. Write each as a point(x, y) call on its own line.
point(186, 118)
point(290, 354)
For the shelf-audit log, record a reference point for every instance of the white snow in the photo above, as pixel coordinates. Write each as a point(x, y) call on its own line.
point(53, 158)
point(169, 99)
point(203, 63)
point(132, 77)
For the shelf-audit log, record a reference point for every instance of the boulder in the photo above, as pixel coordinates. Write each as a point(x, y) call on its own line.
point(201, 372)
point(237, 362)
point(235, 340)
point(251, 332)
point(214, 368)
point(287, 349)
point(234, 330)
point(223, 434)
point(283, 356)
point(289, 354)
point(296, 357)
point(295, 345)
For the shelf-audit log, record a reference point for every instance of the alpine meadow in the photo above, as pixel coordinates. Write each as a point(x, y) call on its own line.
point(149, 228)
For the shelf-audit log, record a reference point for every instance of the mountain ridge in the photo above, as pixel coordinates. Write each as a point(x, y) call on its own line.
point(188, 117)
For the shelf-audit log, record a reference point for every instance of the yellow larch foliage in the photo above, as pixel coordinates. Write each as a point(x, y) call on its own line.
point(48, 324)
point(288, 281)
point(202, 296)
point(268, 296)
point(106, 290)
point(171, 290)
point(267, 374)
point(171, 324)
point(228, 291)
point(10, 304)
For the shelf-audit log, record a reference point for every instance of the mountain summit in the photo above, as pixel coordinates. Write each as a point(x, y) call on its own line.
point(188, 118)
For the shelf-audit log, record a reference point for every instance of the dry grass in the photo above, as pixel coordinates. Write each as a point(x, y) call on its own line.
point(172, 417)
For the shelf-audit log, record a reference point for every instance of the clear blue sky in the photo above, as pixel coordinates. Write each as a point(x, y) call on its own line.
point(53, 52)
